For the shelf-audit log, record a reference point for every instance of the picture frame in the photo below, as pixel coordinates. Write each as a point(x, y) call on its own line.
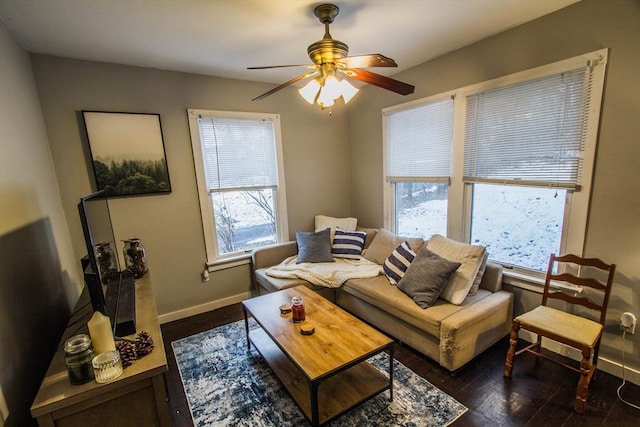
point(127, 153)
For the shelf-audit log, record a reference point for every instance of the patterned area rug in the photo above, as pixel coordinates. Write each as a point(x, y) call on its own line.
point(228, 386)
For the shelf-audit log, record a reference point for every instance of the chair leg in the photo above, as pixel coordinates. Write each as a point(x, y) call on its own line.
point(513, 340)
point(586, 372)
point(538, 348)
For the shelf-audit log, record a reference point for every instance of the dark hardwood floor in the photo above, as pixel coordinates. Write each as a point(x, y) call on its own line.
point(539, 395)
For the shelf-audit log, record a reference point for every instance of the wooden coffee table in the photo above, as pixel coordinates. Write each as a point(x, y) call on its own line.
point(326, 373)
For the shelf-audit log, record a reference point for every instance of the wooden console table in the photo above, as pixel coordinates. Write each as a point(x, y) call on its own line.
point(136, 398)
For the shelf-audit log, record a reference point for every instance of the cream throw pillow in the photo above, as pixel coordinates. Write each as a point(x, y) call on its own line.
point(346, 224)
point(469, 256)
point(384, 244)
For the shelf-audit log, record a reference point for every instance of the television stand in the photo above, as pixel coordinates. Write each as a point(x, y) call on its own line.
point(135, 398)
point(120, 298)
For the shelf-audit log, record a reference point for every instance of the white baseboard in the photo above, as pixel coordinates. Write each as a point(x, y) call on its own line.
point(615, 369)
point(609, 366)
point(202, 308)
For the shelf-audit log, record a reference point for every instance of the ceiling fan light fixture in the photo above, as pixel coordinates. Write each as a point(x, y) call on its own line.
point(326, 92)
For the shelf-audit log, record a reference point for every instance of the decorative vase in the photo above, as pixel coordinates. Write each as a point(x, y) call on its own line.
point(135, 257)
point(106, 260)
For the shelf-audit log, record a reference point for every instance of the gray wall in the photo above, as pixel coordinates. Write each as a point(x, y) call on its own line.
point(613, 232)
point(38, 269)
point(315, 150)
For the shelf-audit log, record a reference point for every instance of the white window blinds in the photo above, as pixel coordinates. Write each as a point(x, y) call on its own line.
point(238, 154)
point(530, 133)
point(419, 142)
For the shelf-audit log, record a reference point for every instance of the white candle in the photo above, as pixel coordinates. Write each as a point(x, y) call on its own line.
point(100, 332)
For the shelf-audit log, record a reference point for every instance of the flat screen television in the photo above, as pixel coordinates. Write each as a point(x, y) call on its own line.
point(111, 290)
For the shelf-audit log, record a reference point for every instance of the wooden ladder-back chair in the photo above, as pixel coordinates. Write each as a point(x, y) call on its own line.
point(566, 328)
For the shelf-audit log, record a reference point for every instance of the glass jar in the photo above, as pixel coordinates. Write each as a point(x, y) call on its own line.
point(297, 307)
point(106, 259)
point(107, 366)
point(135, 257)
point(77, 359)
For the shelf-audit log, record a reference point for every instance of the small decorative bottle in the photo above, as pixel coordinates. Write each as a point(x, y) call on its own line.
point(297, 307)
point(135, 257)
point(77, 359)
point(106, 260)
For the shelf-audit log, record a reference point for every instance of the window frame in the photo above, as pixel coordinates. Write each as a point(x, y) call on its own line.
point(389, 191)
point(215, 260)
point(460, 192)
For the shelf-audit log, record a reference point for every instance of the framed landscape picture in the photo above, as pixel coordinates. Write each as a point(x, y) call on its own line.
point(127, 152)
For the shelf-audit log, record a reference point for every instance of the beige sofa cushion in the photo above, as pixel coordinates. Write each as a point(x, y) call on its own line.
point(469, 256)
point(385, 242)
point(371, 233)
point(378, 292)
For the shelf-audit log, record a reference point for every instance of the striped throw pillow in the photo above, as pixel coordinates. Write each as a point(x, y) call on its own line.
point(348, 244)
point(396, 265)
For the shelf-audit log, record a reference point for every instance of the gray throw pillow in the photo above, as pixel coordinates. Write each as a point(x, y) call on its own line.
point(314, 247)
point(426, 277)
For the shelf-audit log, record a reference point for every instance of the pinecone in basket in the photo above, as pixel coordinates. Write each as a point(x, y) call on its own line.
point(144, 344)
point(128, 352)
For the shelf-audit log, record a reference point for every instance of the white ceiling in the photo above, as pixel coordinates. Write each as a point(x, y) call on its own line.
point(223, 37)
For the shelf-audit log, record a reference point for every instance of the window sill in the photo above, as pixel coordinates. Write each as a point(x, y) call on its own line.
point(231, 262)
point(533, 283)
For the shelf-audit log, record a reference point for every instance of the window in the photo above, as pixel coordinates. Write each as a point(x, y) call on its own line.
point(238, 160)
point(418, 167)
point(521, 162)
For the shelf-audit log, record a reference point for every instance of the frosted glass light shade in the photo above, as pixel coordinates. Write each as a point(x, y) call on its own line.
point(310, 90)
point(325, 99)
point(348, 90)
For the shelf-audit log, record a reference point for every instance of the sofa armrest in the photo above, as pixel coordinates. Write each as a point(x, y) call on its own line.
point(470, 331)
point(492, 277)
point(268, 256)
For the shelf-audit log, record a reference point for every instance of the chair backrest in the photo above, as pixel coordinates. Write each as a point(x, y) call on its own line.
point(555, 264)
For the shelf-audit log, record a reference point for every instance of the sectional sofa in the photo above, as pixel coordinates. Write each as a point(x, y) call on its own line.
point(451, 333)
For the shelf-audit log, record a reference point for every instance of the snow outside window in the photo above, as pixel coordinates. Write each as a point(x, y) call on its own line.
point(240, 185)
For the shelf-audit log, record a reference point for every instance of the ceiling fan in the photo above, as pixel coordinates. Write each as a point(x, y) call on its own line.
point(330, 61)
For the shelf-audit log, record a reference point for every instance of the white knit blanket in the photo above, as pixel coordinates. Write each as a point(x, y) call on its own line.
point(327, 274)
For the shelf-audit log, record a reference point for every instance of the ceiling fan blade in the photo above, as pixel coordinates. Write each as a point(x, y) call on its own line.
point(365, 61)
point(281, 66)
point(283, 85)
point(381, 81)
